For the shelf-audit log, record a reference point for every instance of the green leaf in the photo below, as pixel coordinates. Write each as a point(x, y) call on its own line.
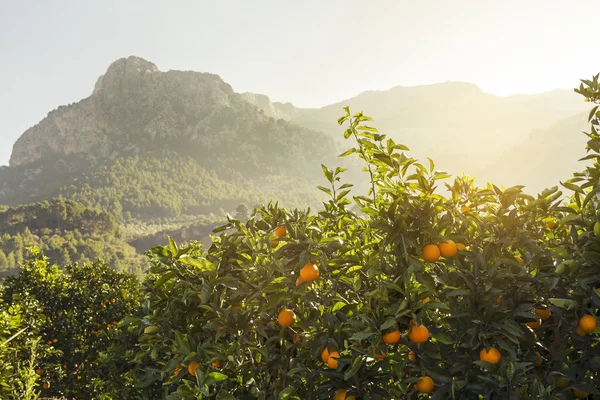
point(592, 112)
point(214, 377)
point(356, 364)
point(201, 263)
point(388, 324)
point(172, 246)
point(338, 306)
point(564, 303)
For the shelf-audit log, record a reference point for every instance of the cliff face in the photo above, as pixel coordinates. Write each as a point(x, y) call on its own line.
point(132, 99)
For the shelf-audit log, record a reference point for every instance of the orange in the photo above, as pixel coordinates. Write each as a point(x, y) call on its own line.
point(552, 224)
point(460, 246)
point(325, 354)
point(274, 243)
point(391, 337)
point(199, 294)
point(280, 232)
point(543, 313)
point(341, 395)
point(54, 340)
point(309, 272)
point(587, 323)
point(177, 370)
point(286, 318)
point(192, 368)
point(46, 385)
point(580, 394)
point(447, 249)
point(492, 355)
point(431, 253)
point(419, 334)
point(216, 364)
point(520, 260)
point(464, 209)
point(499, 299)
point(425, 384)
point(539, 359)
point(299, 281)
point(426, 300)
point(332, 360)
point(298, 337)
point(412, 356)
point(39, 371)
point(378, 353)
point(534, 324)
point(580, 331)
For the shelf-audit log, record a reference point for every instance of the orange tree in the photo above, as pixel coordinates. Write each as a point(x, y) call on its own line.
point(74, 311)
point(477, 294)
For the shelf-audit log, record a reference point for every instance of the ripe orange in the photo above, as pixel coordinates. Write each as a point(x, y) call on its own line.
point(419, 334)
point(391, 337)
point(520, 260)
point(280, 232)
point(460, 246)
point(332, 360)
point(543, 313)
point(464, 209)
point(492, 355)
point(325, 354)
point(379, 353)
point(580, 394)
point(286, 318)
point(580, 331)
point(46, 385)
point(309, 272)
point(177, 369)
point(412, 356)
point(539, 359)
point(299, 281)
point(534, 324)
point(39, 371)
point(425, 384)
point(216, 364)
point(499, 299)
point(341, 395)
point(54, 340)
point(431, 253)
point(192, 368)
point(587, 323)
point(298, 337)
point(552, 224)
point(274, 243)
point(447, 249)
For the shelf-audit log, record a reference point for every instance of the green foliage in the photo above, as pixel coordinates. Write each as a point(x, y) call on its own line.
point(67, 232)
point(74, 312)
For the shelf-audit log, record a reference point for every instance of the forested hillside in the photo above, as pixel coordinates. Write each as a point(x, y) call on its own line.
point(67, 232)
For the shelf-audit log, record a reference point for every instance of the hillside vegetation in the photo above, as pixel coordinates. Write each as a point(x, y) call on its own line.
point(66, 231)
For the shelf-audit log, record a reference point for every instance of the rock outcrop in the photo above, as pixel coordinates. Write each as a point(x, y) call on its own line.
point(133, 99)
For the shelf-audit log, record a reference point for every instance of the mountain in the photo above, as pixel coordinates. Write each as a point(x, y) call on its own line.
point(460, 127)
point(552, 153)
point(155, 144)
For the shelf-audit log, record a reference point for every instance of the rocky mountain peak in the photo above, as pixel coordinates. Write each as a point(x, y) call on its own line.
point(130, 70)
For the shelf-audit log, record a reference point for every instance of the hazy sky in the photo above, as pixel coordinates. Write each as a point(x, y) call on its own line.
point(311, 52)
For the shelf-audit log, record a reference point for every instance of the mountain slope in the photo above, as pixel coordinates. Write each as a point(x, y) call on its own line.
point(462, 128)
point(67, 232)
point(162, 144)
point(543, 158)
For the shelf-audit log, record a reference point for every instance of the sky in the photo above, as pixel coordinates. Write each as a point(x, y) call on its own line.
point(311, 53)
